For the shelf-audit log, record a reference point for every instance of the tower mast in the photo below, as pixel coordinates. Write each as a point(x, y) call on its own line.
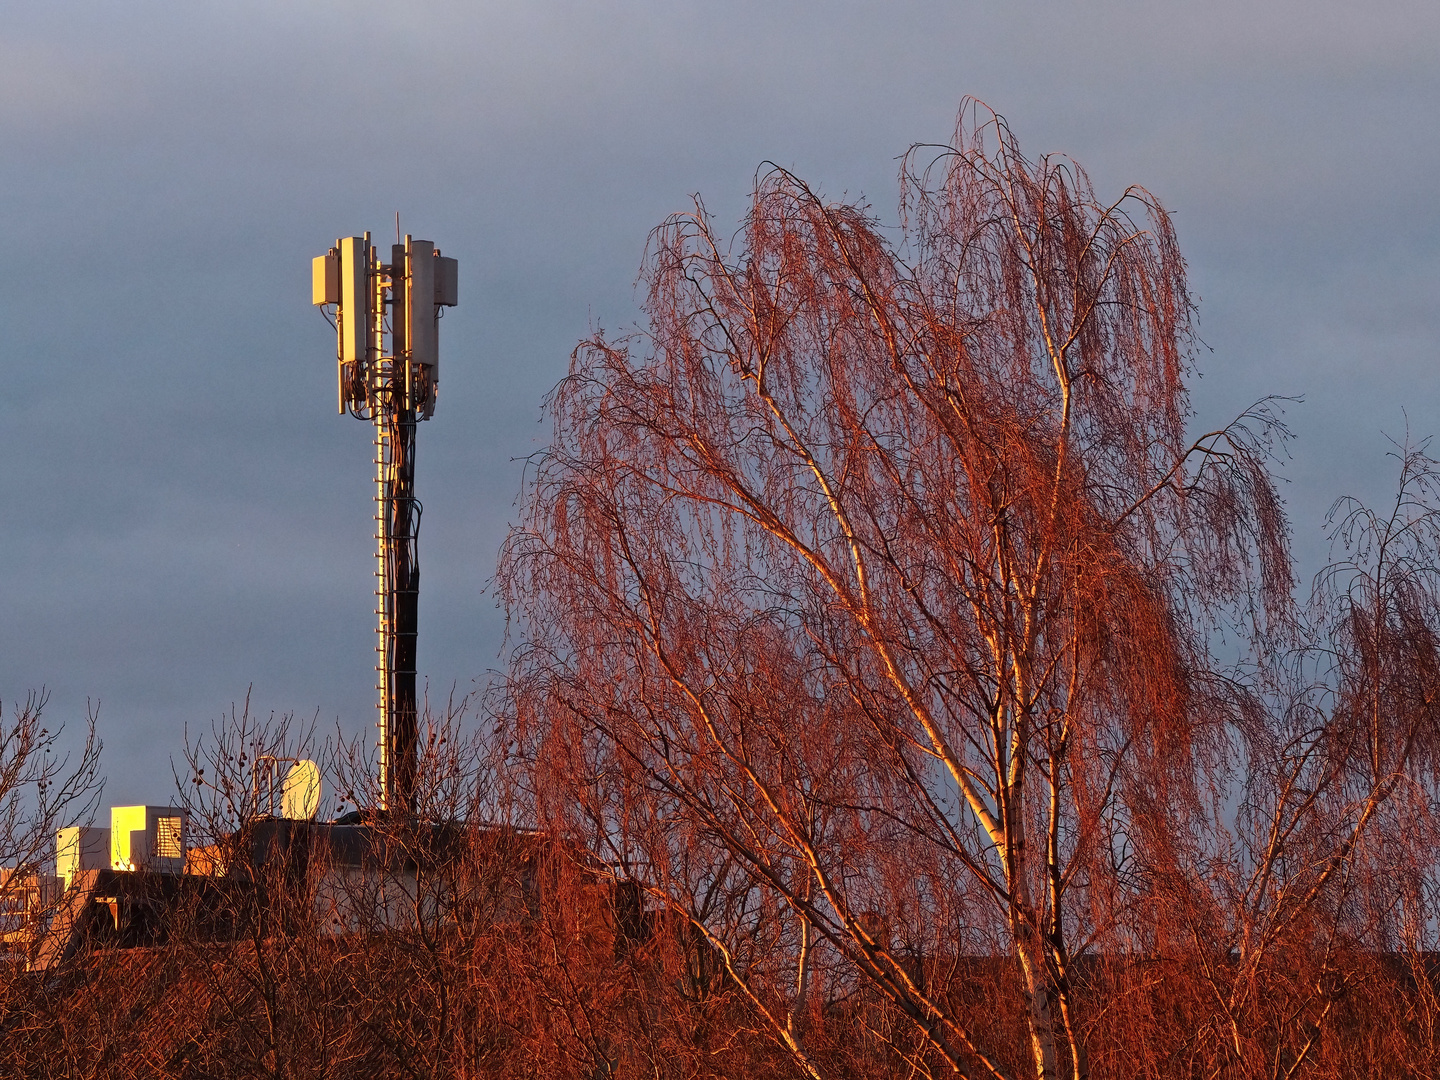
point(386, 317)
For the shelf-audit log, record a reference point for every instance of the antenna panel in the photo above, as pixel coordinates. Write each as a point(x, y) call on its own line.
point(325, 279)
point(400, 323)
point(422, 334)
point(353, 316)
point(447, 281)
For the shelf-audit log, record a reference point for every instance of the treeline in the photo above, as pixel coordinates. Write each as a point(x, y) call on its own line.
point(483, 951)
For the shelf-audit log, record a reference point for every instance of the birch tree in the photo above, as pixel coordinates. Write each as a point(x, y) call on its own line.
point(865, 595)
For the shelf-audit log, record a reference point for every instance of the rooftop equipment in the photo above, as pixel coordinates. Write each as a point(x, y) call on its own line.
point(148, 838)
point(286, 787)
point(388, 369)
point(79, 848)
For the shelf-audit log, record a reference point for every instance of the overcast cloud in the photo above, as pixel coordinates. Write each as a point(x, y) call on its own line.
point(186, 515)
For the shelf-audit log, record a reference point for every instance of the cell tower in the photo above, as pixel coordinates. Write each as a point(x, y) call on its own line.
point(388, 365)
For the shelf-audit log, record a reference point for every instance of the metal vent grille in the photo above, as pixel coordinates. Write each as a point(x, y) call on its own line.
point(167, 838)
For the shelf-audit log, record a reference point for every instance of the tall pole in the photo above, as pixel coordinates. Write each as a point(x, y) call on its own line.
point(386, 316)
point(397, 521)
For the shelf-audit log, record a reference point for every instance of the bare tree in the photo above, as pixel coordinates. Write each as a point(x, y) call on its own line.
point(45, 785)
point(1308, 900)
point(864, 599)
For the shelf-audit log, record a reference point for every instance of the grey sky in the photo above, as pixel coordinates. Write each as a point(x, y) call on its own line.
point(186, 515)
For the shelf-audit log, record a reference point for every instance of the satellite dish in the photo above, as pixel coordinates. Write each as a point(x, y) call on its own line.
point(300, 792)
